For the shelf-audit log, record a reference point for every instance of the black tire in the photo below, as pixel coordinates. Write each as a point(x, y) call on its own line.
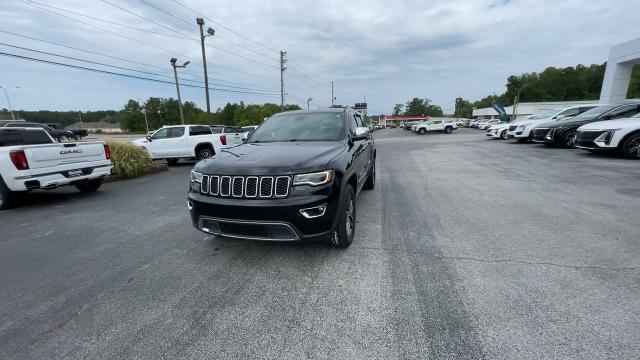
point(422, 131)
point(88, 186)
point(204, 153)
point(631, 147)
point(503, 135)
point(346, 219)
point(7, 197)
point(370, 184)
point(568, 139)
point(448, 130)
point(172, 162)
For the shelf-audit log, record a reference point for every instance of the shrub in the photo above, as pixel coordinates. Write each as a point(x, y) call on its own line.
point(129, 161)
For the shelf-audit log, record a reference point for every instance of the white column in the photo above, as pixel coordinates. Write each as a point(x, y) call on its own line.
point(618, 73)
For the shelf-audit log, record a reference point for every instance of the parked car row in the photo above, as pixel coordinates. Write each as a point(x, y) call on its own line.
point(595, 127)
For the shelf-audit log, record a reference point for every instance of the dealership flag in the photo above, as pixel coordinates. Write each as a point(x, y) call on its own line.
point(500, 110)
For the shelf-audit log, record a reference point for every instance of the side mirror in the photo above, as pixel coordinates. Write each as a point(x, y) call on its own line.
point(361, 133)
point(149, 138)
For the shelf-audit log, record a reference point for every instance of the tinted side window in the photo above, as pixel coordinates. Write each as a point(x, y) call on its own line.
point(232, 129)
point(353, 124)
point(35, 137)
point(176, 132)
point(358, 120)
point(199, 130)
point(10, 139)
point(623, 112)
point(570, 112)
point(161, 134)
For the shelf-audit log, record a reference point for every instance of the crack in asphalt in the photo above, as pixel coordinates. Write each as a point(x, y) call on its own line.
point(494, 261)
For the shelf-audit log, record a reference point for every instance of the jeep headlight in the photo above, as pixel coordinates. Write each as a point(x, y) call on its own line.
point(196, 177)
point(313, 179)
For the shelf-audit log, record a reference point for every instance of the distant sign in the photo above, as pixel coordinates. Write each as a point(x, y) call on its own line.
point(360, 106)
point(501, 111)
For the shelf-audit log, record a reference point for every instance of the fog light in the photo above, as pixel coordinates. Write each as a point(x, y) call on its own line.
point(313, 212)
point(189, 205)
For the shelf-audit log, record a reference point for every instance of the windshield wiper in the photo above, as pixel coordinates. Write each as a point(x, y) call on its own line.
point(227, 151)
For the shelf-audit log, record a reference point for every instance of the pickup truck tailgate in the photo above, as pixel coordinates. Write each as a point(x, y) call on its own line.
point(51, 155)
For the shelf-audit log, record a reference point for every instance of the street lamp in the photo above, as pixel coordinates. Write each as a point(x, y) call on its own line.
point(144, 111)
point(175, 74)
point(308, 101)
point(8, 100)
point(210, 32)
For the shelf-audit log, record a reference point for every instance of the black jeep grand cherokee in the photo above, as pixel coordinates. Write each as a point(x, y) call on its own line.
point(295, 178)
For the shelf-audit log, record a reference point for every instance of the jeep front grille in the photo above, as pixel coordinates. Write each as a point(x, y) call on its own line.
point(252, 187)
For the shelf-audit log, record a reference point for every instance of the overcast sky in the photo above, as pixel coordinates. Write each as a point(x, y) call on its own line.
point(388, 51)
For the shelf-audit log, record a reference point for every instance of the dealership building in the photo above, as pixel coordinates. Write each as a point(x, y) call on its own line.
point(617, 76)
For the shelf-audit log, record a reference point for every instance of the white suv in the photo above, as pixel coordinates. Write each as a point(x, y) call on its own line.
point(182, 142)
point(621, 135)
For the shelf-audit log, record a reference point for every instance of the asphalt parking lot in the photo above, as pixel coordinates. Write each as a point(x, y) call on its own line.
point(468, 248)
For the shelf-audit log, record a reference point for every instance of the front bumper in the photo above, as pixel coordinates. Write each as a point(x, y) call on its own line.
point(267, 219)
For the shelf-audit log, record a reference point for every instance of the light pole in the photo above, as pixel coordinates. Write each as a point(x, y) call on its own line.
point(8, 100)
point(308, 101)
point(175, 74)
point(210, 32)
point(144, 111)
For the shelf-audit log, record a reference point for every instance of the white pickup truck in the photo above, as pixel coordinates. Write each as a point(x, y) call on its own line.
point(177, 142)
point(435, 125)
point(30, 159)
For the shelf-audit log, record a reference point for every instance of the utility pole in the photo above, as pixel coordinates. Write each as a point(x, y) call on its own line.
point(516, 101)
point(6, 94)
point(80, 117)
point(309, 101)
point(210, 32)
point(282, 69)
point(332, 97)
point(458, 108)
point(175, 74)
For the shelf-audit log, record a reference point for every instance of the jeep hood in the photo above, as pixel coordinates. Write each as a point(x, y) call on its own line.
point(277, 158)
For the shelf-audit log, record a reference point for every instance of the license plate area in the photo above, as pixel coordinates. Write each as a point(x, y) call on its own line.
point(74, 173)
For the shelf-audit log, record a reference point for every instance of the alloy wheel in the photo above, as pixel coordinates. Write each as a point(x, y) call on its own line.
point(633, 148)
point(350, 219)
point(570, 139)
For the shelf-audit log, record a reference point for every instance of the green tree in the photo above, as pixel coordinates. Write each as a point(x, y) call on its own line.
point(397, 109)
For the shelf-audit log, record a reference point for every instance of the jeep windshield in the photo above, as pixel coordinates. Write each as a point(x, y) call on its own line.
point(322, 126)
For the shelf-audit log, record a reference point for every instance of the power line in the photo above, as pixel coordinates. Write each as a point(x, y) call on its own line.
point(128, 75)
point(186, 36)
point(109, 21)
point(144, 18)
point(124, 68)
point(172, 52)
point(216, 37)
point(105, 55)
point(323, 83)
point(224, 26)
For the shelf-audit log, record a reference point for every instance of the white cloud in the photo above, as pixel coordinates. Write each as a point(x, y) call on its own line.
point(388, 51)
